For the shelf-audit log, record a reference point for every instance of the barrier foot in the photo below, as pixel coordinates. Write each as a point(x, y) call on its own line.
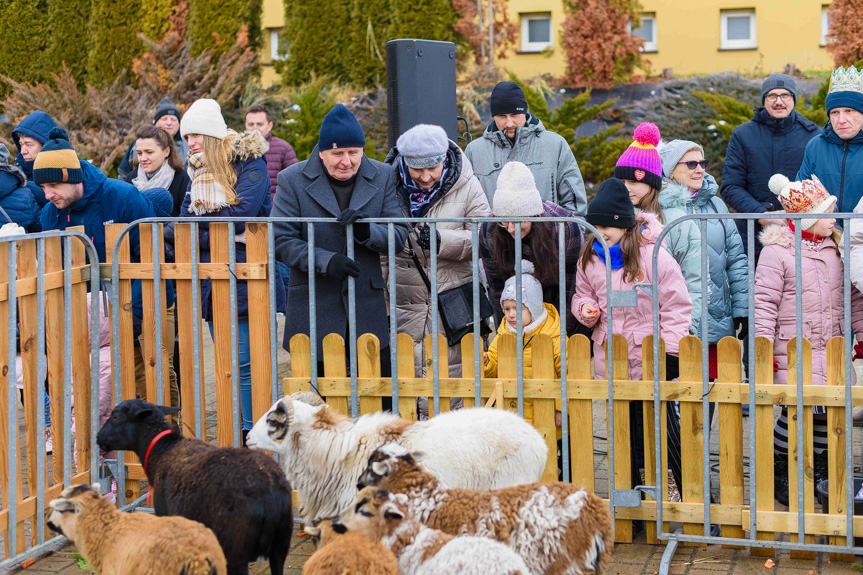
point(665, 563)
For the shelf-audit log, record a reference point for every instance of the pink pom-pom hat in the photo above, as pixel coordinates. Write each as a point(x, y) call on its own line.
point(640, 161)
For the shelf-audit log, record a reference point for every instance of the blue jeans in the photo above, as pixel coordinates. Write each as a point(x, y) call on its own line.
point(286, 275)
point(245, 371)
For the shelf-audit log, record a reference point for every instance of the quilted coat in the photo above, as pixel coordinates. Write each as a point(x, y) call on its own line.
point(822, 281)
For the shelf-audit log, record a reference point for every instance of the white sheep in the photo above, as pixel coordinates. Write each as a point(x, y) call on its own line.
point(116, 543)
point(347, 554)
point(382, 516)
point(557, 528)
point(324, 452)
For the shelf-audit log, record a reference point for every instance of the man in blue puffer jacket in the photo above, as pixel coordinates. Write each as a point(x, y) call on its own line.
point(16, 200)
point(79, 194)
point(772, 143)
point(29, 136)
point(836, 156)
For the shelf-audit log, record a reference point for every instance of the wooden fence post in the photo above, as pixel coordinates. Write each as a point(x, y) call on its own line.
point(542, 364)
point(580, 414)
point(622, 456)
point(335, 367)
point(468, 370)
point(369, 365)
point(650, 473)
point(730, 422)
point(808, 444)
point(836, 442)
point(406, 368)
point(81, 355)
point(54, 346)
point(761, 462)
point(443, 366)
point(691, 432)
point(259, 321)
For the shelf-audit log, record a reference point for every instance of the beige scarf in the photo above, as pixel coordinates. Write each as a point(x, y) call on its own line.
point(207, 195)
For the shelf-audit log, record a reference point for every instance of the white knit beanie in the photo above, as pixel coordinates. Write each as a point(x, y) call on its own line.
point(204, 116)
point(516, 195)
point(423, 146)
point(531, 291)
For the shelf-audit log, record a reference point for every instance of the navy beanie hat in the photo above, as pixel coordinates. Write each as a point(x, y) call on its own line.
point(774, 81)
point(611, 208)
point(162, 200)
point(507, 98)
point(853, 100)
point(340, 129)
point(57, 161)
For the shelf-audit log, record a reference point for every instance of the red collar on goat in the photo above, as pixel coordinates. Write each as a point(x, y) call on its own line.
point(147, 458)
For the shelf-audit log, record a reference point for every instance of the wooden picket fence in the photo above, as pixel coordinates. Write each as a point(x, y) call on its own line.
point(542, 391)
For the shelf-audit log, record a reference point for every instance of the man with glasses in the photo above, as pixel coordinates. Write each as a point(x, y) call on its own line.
point(772, 143)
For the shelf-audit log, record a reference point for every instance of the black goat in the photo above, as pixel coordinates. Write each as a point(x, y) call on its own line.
point(242, 495)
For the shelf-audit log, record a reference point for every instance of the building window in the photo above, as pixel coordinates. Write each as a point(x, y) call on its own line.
point(825, 25)
point(738, 30)
point(277, 50)
point(648, 32)
point(535, 32)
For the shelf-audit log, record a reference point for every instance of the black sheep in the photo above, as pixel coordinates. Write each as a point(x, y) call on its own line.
point(242, 495)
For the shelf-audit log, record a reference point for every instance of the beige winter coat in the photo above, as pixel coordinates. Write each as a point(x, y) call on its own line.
point(460, 197)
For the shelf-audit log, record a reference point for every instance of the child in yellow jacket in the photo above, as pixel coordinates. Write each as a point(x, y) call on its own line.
point(536, 318)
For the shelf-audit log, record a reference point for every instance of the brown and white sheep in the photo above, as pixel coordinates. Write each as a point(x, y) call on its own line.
point(557, 528)
point(382, 516)
point(348, 554)
point(117, 543)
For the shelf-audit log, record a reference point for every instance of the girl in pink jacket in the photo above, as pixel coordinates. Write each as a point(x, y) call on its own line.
point(631, 240)
point(822, 311)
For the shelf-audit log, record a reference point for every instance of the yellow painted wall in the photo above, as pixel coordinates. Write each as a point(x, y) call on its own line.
point(688, 37)
point(272, 18)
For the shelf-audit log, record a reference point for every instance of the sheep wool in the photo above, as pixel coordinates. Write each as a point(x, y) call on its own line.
point(380, 515)
point(324, 452)
point(116, 543)
point(348, 554)
point(555, 527)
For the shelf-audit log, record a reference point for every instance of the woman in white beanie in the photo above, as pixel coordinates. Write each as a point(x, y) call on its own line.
point(517, 197)
point(229, 179)
point(434, 179)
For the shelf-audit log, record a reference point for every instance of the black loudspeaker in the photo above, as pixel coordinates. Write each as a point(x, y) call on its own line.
point(420, 87)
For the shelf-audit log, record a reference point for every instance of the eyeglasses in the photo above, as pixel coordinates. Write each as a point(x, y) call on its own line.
point(783, 97)
point(694, 164)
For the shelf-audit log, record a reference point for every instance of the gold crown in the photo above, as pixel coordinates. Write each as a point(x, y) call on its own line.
point(846, 80)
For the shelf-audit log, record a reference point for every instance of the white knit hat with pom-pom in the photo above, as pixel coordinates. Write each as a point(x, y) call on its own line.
point(531, 291)
point(803, 197)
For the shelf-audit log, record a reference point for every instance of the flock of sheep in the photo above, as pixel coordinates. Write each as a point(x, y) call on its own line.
point(457, 494)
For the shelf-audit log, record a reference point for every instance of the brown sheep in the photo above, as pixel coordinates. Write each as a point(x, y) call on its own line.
point(382, 516)
point(117, 543)
point(557, 528)
point(348, 554)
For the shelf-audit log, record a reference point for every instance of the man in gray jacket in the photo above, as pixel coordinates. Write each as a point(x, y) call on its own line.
point(515, 135)
point(337, 181)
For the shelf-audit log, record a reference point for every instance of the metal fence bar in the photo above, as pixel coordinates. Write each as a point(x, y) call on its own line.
point(435, 321)
point(750, 342)
point(67, 360)
point(705, 375)
point(393, 287)
point(519, 324)
point(564, 390)
point(274, 324)
point(196, 331)
point(352, 324)
point(12, 391)
point(41, 376)
point(798, 313)
point(849, 447)
point(478, 348)
point(158, 253)
point(313, 317)
point(235, 333)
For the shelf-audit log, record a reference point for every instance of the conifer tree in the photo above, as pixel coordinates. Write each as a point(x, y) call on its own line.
point(68, 21)
point(435, 21)
point(215, 23)
point(25, 40)
point(155, 18)
point(370, 27)
point(318, 35)
point(113, 42)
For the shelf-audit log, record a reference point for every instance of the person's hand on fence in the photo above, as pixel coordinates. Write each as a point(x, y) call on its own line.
point(341, 266)
point(350, 216)
point(741, 325)
point(424, 237)
point(858, 351)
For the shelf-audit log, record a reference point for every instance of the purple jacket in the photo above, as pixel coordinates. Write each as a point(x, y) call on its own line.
point(279, 156)
point(635, 323)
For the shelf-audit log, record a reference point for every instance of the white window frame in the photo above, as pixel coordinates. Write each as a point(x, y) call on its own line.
point(275, 44)
point(725, 43)
point(527, 46)
point(825, 24)
point(647, 46)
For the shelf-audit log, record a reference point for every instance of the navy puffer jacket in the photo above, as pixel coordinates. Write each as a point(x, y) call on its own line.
point(757, 150)
point(16, 200)
point(838, 164)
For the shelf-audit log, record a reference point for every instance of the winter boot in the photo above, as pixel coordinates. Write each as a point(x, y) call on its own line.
point(780, 478)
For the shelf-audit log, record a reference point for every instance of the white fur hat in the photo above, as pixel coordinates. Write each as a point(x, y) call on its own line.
point(516, 194)
point(204, 116)
point(423, 146)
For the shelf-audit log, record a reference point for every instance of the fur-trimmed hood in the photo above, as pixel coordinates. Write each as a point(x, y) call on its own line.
point(782, 236)
point(249, 145)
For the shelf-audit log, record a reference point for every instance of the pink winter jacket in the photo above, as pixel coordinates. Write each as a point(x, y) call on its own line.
point(635, 323)
point(823, 316)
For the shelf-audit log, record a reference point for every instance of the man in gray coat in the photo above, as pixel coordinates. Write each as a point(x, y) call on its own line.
point(337, 181)
point(515, 135)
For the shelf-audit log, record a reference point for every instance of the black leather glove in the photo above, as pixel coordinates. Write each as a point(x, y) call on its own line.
point(424, 237)
point(340, 267)
point(742, 324)
point(349, 216)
